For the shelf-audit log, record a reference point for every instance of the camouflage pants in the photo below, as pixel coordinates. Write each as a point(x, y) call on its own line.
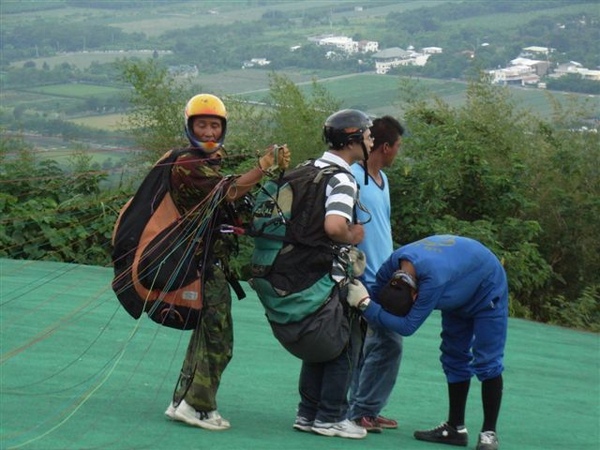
point(210, 348)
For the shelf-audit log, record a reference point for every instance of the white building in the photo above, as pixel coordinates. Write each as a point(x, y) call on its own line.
point(520, 71)
point(343, 43)
point(368, 46)
point(346, 44)
point(573, 67)
point(255, 62)
point(387, 59)
point(431, 50)
point(535, 50)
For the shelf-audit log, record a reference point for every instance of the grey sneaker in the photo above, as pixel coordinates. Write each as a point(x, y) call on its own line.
point(303, 424)
point(346, 429)
point(209, 420)
point(444, 434)
point(487, 441)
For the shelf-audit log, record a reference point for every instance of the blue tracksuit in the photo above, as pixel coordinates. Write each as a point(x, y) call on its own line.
point(467, 282)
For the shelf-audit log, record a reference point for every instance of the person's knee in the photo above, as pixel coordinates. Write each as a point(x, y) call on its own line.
point(488, 372)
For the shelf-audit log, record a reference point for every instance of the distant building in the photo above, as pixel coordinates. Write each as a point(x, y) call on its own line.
point(521, 71)
point(345, 44)
point(368, 46)
point(387, 59)
point(575, 68)
point(431, 50)
point(255, 62)
point(534, 50)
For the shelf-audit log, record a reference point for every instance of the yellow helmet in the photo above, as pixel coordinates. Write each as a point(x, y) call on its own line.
point(205, 105)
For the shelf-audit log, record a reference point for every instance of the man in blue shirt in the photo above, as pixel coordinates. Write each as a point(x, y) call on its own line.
point(378, 365)
point(466, 281)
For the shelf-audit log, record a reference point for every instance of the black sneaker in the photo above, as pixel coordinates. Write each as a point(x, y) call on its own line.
point(444, 434)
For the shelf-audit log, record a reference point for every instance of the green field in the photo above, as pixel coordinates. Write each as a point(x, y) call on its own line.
point(380, 94)
point(207, 13)
point(76, 90)
point(111, 122)
point(511, 20)
point(375, 94)
point(83, 60)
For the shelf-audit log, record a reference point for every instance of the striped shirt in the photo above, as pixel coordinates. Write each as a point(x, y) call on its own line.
point(340, 197)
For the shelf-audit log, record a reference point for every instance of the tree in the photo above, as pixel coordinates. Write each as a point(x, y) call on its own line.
point(297, 118)
point(157, 102)
point(526, 188)
point(50, 213)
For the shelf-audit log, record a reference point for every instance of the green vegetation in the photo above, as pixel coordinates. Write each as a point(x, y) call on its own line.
point(526, 187)
point(515, 168)
point(379, 94)
point(76, 90)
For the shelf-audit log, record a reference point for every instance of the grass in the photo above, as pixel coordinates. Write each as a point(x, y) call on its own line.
point(83, 60)
point(500, 21)
point(377, 94)
point(111, 122)
point(76, 90)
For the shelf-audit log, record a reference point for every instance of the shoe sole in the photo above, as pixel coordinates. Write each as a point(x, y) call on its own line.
point(304, 428)
point(200, 423)
point(335, 433)
point(444, 441)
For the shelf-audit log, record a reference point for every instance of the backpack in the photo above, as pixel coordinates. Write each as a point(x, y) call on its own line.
point(156, 253)
point(291, 264)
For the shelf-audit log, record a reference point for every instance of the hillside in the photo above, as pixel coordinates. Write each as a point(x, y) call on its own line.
point(64, 42)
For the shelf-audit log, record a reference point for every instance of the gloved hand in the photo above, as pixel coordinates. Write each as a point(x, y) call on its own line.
point(358, 259)
point(275, 157)
point(357, 292)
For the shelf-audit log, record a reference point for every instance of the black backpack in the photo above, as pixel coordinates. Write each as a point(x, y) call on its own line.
point(292, 261)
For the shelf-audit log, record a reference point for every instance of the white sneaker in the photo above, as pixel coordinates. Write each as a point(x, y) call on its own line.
point(487, 441)
point(345, 429)
point(303, 424)
point(210, 420)
point(170, 411)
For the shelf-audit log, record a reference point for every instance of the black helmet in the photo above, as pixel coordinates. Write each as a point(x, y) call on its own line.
point(344, 127)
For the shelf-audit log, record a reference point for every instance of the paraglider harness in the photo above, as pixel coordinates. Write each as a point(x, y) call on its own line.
point(292, 262)
point(160, 256)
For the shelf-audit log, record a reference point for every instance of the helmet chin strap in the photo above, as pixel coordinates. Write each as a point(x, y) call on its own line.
point(365, 158)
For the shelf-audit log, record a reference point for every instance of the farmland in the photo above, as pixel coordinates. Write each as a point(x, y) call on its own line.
point(375, 94)
point(94, 102)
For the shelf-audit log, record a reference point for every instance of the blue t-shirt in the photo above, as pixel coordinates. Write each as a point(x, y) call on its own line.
point(377, 243)
point(453, 273)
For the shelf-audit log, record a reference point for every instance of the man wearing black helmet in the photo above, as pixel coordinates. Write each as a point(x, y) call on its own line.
point(323, 386)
